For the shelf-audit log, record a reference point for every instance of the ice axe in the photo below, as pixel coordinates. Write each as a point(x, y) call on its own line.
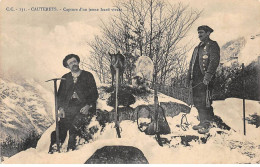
point(56, 111)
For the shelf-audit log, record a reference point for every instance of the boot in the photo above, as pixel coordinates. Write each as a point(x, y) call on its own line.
point(201, 118)
point(53, 140)
point(197, 127)
point(204, 128)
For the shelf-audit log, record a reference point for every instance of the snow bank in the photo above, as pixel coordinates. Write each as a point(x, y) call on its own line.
point(230, 147)
point(231, 111)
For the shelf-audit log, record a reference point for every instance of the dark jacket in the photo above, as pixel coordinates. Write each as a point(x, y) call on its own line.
point(85, 87)
point(209, 58)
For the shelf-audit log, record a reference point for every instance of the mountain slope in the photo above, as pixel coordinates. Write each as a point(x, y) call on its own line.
point(243, 50)
point(23, 109)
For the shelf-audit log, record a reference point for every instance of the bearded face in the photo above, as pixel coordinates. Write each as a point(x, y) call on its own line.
point(73, 64)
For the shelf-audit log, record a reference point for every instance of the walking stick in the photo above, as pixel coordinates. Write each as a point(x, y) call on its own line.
point(56, 111)
point(116, 105)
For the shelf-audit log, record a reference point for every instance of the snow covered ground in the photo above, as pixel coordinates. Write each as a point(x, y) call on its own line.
point(229, 147)
point(231, 111)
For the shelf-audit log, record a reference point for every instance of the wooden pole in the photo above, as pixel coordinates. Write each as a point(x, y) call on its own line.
point(244, 105)
point(116, 104)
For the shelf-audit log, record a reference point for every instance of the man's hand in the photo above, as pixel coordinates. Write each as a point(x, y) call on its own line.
point(61, 113)
point(206, 82)
point(85, 109)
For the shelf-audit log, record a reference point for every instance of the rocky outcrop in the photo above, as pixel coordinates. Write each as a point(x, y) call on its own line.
point(232, 49)
point(117, 155)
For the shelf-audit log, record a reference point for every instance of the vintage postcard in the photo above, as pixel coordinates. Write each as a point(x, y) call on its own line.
point(130, 81)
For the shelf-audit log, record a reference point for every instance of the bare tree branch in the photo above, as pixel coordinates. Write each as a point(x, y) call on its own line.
point(130, 33)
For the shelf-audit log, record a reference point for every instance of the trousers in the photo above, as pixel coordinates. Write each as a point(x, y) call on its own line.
point(72, 114)
point(199, 99)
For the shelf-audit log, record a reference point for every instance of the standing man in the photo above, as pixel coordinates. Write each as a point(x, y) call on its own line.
point(77, 96)
point(203, 65)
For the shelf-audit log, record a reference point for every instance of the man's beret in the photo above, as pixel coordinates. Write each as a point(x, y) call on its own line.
point(205, 28)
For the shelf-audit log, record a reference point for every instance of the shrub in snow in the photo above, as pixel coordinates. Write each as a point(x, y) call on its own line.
point(229, 82)
point(254, 119)
point(11, 146)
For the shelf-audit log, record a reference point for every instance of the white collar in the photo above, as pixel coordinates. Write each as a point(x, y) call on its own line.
point(76, 74)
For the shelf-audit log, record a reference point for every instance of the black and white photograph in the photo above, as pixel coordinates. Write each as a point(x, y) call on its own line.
point(130, 82)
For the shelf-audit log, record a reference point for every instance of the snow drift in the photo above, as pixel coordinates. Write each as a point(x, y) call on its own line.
point(221, 146)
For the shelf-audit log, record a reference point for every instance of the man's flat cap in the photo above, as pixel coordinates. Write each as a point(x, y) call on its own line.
point(205, 28)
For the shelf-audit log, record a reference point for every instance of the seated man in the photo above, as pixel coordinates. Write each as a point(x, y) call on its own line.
point(77, 96)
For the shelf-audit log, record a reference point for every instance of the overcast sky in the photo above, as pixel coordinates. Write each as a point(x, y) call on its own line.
point(33, 44)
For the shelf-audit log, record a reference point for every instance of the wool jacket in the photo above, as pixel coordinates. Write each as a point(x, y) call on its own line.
point(209, 58)
point(85, 87)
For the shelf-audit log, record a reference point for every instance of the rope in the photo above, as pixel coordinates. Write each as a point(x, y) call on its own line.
point(163, 114)
point(196, 85)
point(185, 123)
point(137, 115)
